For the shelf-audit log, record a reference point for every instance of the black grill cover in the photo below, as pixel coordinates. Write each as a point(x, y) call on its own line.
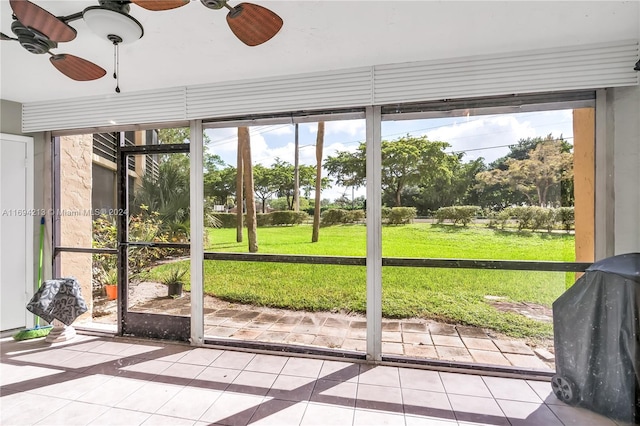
point(597, 337)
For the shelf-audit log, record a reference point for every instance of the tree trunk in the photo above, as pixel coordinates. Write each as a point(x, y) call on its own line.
point(243, 134)
point(296, 174)
point(239, 193)
point(316, 210)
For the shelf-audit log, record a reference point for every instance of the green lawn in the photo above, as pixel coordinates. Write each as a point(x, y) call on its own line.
point(453, 295)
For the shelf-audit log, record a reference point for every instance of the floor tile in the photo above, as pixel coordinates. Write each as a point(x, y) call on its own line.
point(201, 356)
point(278, 412)
point(189, 403)
point(371, 417)
point(74, 413)
point(24, 408)
point(428, 421)
point(267, 364)
point(216, 378)
point(252, 383)
point(120, 417)
point(232, 359)
point(579, 416)
point(379, 375)
point(358, 345)
point(72, 388)
point(112, 391)
point(292, 388)
point(335, 392)
point(391, 348)
point(420, 379)
point(149, 397)
point(303, 367)
point(160, 420)
point(392, 336)
point(543, 390)
point(379, 398)
point(528, 414)
point(340, 370)
point(471, 332)
point(427, 403)
point(443, 329)
point(511, 389)
point(465, 384)
point(327, 415)
point(476, 409)
point(184, 371)
point(232, 409)
point(414, 327)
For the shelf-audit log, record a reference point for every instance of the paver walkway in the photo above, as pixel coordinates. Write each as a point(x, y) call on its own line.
point(409, 337)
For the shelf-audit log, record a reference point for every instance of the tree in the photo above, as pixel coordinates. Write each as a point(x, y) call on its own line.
point(413, 160)
point(264, 186)
point(316, 210)
point(239, 193)
point(245, 142)
point(545, 167)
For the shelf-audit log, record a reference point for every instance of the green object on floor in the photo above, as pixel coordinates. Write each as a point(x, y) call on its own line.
point(33, 333)
point(37, 331)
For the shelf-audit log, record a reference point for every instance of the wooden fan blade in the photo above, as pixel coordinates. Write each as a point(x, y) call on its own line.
point(35, 17)
point(157, 5)
point(253, 24)
point(76, 68)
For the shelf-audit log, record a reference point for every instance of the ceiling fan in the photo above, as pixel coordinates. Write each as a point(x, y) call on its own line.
point(39, 31)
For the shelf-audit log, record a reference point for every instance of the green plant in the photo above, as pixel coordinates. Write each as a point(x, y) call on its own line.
point(566, 216)
point(401, 215)
point(457, 214)
point(176, 274)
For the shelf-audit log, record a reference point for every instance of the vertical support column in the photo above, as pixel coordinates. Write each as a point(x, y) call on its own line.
point(76, 224)
point(122, 189)
point(583, 182)
point(604, 178)
point(196, 182)
point(374, 234)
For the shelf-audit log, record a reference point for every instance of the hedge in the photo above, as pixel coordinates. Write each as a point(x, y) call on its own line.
point(457, 214)
point(277, 218)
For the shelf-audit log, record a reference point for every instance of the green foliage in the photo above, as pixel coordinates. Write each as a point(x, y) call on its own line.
point(401, 215)
point(175, 274)
point(142, 228)
point(288, 218)
point(457, 214)
point(340, 217)
point(228, 220)
point(498, 218)
point(566, 216)
point(535, 218)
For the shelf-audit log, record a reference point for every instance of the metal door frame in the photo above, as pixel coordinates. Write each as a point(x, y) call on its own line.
point(137, 323)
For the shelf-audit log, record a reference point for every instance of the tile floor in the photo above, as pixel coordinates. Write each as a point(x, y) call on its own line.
point(120, 381)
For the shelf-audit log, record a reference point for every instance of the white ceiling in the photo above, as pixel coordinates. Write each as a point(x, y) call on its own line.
point(193, 45)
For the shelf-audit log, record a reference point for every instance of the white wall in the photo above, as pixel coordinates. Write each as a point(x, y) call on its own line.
point(626, 122)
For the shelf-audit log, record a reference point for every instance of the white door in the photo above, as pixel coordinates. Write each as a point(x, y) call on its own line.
point(16, 230)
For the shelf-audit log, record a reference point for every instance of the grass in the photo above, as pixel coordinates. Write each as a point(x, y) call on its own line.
point(452, 295)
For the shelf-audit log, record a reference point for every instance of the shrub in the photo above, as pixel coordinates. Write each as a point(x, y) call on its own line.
point(340, 216)
point(226, 220)
point(543, 218)
point(287, 217)
point(401, 215)
point(498, 218)
point(457, 214)
point(566, 216)
point(386, 212)
point(523, 216)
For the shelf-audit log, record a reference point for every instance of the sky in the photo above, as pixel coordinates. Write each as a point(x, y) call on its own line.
point(486, 136)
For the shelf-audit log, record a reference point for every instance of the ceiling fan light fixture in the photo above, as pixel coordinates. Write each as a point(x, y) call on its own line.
point(108, 22)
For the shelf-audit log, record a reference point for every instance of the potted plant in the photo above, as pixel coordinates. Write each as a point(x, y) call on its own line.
point(174, 278)
point(109, 280)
